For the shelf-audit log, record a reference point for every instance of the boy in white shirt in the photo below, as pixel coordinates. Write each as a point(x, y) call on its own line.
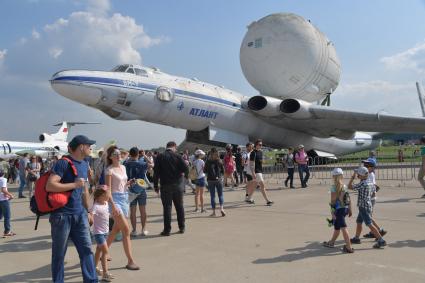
point(5, 196)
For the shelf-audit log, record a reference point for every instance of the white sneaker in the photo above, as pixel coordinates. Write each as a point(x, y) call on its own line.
point(133, 233)
point(144, 233)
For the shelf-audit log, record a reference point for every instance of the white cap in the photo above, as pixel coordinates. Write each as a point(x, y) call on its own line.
point(362, 171)
point(337, 171)
point(300, 146)
point(199, 152)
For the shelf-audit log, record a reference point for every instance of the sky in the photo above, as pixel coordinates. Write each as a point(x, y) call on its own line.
point(381, 46)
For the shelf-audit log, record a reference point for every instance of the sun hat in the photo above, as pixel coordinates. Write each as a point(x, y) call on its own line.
point(337, 171)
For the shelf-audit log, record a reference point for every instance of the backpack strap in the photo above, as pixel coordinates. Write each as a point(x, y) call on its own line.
point(69, 160)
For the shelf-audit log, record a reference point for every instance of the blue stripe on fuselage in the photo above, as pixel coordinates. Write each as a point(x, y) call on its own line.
point(120, 83)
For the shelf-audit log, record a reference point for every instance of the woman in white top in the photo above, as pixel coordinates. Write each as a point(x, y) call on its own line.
point(116, 180)
point(199, 164)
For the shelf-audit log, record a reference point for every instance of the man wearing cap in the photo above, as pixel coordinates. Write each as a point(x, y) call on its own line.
point(71, 221)
point(169, 171)
point(364, 204)
point(301, 158)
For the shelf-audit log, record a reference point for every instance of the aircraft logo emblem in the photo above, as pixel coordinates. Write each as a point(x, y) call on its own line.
point(180, 106)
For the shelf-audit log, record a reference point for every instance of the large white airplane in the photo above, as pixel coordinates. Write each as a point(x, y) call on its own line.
point(288, 60)
point(49, 145)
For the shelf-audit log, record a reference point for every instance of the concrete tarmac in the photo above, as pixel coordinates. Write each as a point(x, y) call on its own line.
point(253, 243)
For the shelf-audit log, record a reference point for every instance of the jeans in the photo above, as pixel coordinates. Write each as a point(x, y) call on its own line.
point(5, 212)
point(290, 177)
point(364, 216)
point(301, 169)
point(239, 171)
point(212, 185)
point(173, 194)
point(22, 183)
point(75, 227)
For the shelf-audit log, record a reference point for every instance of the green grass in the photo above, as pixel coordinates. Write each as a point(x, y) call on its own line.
point(383, 154)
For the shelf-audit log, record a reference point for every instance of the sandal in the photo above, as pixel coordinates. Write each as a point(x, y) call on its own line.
point(346, 250)
point(328, 244)
point(9, 234)
point(132, 266)
point(223, 213)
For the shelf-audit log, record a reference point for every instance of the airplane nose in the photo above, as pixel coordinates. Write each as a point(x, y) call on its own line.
point(71, 85)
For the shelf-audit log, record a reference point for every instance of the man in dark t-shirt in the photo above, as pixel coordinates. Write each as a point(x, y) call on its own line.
point(71, 221)
point(239, 166)
point(256, 168)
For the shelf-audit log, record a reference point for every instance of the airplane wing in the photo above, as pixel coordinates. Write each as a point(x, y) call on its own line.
point(324, 122)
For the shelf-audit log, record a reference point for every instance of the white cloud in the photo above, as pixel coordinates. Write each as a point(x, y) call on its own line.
point(55, 52)
point(98, 7)
point(374, 96)
point(410, 59)
point(89, 38)
point(35, 34)
point(3, 54)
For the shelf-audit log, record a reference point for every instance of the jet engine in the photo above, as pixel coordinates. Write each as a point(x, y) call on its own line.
point(45, 137)
point(264, 105)
point(285, 56)
point(295, 108)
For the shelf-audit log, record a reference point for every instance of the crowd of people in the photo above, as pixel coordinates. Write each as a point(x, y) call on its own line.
point(106, 191)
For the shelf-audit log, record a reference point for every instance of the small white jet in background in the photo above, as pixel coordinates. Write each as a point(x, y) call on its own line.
point(49, 145)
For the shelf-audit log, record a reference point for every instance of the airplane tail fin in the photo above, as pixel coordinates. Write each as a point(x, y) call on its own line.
point(421, 98)
point(62, 134)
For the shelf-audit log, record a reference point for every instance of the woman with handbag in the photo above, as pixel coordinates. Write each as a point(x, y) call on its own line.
point(33, 169)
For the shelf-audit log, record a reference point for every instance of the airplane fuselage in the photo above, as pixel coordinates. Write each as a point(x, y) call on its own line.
point(11, 149)
point(194, 105)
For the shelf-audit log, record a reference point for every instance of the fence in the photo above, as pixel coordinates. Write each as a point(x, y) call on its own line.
point(388, 168)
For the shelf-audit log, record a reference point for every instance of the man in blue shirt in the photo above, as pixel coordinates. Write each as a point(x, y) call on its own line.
point(136, 169)
point(71, 221)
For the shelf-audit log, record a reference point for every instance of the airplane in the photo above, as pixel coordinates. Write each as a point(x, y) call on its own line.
point(289, 61)
point(49, 145)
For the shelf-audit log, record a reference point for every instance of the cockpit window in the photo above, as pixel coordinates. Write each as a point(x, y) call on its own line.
point(141, 72)
point(120, 68)
point(130, 70)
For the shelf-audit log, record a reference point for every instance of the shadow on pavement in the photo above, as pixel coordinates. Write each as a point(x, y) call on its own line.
point(41, 275)
point(400, 200)
point(421, 215)
point(26, 245)
point(408, 243)
point(312, 249)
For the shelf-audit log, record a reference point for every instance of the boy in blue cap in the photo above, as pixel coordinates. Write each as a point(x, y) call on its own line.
point(370, 164)
point(364, 204)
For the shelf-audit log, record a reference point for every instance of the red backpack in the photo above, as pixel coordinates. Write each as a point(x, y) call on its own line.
point(44, 202)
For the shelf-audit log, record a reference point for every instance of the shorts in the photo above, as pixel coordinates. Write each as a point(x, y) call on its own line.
point(100, 238)
point(140, 199)
point(248, 177)
point(340, 214)
point(121, 202)
point(364, 216)
point(259, 177)
point(200, 182)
